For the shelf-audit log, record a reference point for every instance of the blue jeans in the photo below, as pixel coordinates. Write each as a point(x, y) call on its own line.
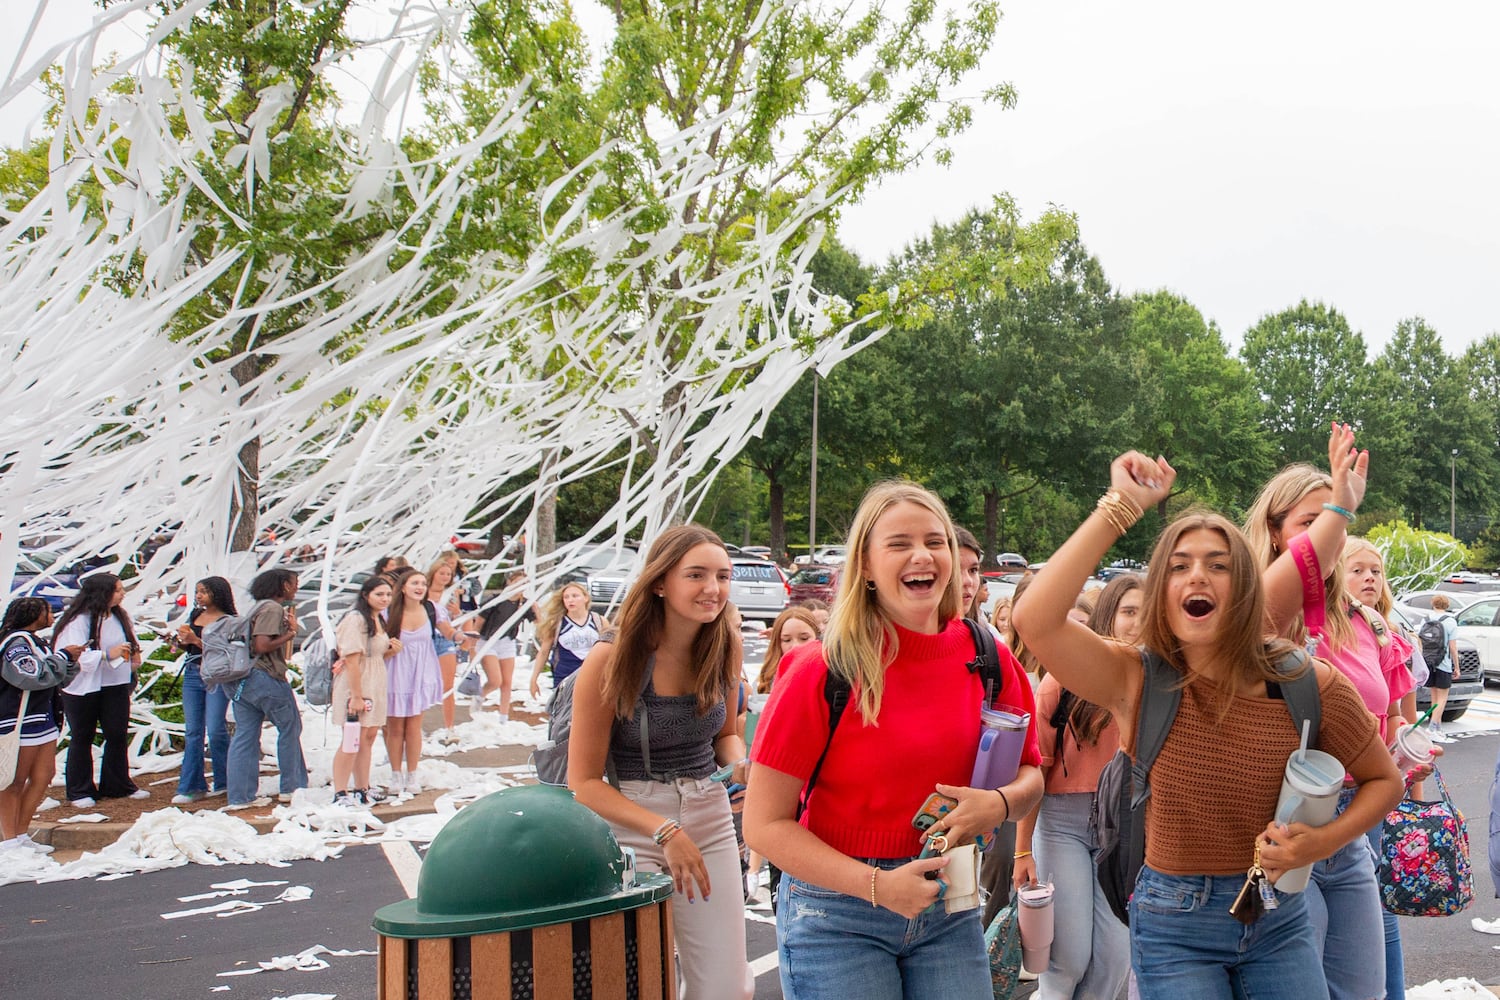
point(257, 699)
point(1091, 960)
point(836, 947)
point(1185, 943)
point(1344, 907)
point(1395, 961)
point(203, 710)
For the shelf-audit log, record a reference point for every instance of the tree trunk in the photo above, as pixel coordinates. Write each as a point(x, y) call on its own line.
point(777, 494)
point(546, 512)
point(244, 501)
point(991, 528)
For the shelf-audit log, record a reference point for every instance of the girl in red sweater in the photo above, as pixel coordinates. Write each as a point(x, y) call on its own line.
point(856, 914)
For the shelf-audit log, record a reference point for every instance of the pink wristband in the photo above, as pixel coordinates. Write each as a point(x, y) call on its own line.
point(1313, 594)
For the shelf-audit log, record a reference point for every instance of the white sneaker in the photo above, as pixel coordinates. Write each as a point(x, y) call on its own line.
point(285, 797)
point(397, 784)
point(413, 786)
point(139, 794)
point(181, 799)
point(259, 803)
point(83, 803)
point(502, 716)
point(25, 841)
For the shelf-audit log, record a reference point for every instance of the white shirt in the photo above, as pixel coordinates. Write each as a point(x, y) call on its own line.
point(95, 669)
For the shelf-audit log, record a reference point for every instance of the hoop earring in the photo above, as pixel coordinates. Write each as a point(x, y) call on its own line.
point(870, 586)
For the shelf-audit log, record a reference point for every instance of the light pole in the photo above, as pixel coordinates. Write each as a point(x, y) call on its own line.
point(812, 501)
point(1453, 494)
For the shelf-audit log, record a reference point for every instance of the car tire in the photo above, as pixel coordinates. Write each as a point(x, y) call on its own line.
point(1451, 713)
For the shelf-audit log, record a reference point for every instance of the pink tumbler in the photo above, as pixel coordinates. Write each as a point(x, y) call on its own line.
point(1036, 926)
point(351, 734)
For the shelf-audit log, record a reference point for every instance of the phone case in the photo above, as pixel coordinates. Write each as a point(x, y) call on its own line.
point(935, 808)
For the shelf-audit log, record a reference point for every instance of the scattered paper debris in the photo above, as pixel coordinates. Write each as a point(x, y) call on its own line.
point(84, 818)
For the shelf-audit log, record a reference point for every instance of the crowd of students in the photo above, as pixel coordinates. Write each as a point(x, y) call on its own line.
point(874, 706)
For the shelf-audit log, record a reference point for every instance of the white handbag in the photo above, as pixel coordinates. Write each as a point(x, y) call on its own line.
point(962, 876)
point(10, 746)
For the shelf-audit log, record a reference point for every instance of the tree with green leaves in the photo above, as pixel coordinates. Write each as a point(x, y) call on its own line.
point(1190, 400)
point(1309, 369)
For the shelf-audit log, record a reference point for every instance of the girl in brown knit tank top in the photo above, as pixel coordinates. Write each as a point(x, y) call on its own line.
point(1216, 781)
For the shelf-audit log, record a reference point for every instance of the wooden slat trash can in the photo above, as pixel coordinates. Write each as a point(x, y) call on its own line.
point(526, 895)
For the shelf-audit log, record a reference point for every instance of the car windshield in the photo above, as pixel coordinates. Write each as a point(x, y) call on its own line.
point(36, 561)
point(815, 576)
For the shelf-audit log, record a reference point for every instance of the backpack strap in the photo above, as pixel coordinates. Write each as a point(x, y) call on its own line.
point(986, 660)
point(836, 693)
point(1300, 693)
point(1061, 715)
point(431, 610)
point(1161, 694)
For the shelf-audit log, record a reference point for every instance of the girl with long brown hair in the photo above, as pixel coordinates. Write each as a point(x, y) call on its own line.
point(653, 700)
point(1204, 617)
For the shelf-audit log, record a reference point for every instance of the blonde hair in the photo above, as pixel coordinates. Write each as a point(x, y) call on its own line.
point(550, 619)
point(1000, 602)
point(446, 558)
point(1268, 513)
point(860, 641)
point(1380, 609)
point(774, 652)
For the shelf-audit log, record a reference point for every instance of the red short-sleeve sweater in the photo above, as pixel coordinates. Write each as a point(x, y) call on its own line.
point(876, 777)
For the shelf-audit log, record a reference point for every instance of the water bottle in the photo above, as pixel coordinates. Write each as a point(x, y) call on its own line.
point(351, 733)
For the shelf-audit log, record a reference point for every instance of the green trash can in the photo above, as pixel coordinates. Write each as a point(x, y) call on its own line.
point(526, 895)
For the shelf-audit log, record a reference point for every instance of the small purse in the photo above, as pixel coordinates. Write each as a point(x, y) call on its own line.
point(1256, 896)
point(1002, 939)
point(1424, 857)
point(962, 876)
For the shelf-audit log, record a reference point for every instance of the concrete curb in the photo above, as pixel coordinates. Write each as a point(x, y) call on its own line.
point(94, 836)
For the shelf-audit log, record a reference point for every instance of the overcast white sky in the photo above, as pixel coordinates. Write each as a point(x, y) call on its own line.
point(1243, 156)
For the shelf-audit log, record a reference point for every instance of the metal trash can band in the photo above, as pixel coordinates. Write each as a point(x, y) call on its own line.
point(526, 894)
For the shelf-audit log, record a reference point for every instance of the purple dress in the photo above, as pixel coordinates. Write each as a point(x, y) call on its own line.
point(414, 679)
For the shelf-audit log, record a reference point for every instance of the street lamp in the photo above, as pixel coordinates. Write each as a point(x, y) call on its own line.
point(1453, 494)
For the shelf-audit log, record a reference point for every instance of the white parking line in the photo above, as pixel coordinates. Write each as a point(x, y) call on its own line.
point(405, 862)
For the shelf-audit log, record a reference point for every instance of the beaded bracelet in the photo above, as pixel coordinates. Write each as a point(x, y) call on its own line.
point(1348, 514)
point(664, 832)
point(672, 831)
point(873, 871)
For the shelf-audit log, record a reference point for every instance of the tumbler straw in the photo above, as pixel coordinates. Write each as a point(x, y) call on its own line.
point(1422, 719)
point(1302, 750)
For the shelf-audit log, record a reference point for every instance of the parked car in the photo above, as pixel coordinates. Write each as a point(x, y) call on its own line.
point(1120, 567)
point(758, 551)
point(1468, 677)
point(309, 587)
point(605, 570)
point(815, 583)
point(34, 578)
point(824, 555)
point(1011, 562)
point(758, 587)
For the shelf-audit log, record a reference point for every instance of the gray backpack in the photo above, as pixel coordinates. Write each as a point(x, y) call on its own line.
point(317, 669)
point(1118, 819)
point(227, 654)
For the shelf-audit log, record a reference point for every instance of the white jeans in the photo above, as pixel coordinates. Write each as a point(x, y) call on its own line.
point(709, 932)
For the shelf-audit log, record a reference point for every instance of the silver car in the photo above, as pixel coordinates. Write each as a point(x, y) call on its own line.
point(757, 587)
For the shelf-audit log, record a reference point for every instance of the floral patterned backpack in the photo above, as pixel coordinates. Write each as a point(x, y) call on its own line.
point(1424, 857)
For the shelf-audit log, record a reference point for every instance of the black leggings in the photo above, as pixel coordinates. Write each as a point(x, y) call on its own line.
point(108, 711)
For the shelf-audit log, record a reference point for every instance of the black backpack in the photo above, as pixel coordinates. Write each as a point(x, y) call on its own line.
point(1434, 648)
point(1118, 819)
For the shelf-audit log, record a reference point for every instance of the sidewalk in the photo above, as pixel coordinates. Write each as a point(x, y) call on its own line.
point(71, 839)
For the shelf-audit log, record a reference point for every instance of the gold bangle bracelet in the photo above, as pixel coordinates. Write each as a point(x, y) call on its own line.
point(1022, 854)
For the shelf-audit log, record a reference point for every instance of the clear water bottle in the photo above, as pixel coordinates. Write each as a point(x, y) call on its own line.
point(351, 733)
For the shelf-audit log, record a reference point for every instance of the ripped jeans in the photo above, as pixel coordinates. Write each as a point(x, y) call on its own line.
point(836, 947)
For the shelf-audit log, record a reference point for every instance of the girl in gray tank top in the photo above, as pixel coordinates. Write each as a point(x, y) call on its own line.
point(650, 702)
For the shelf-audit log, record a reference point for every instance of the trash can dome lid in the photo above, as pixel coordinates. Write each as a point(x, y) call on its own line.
point(520, 857)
